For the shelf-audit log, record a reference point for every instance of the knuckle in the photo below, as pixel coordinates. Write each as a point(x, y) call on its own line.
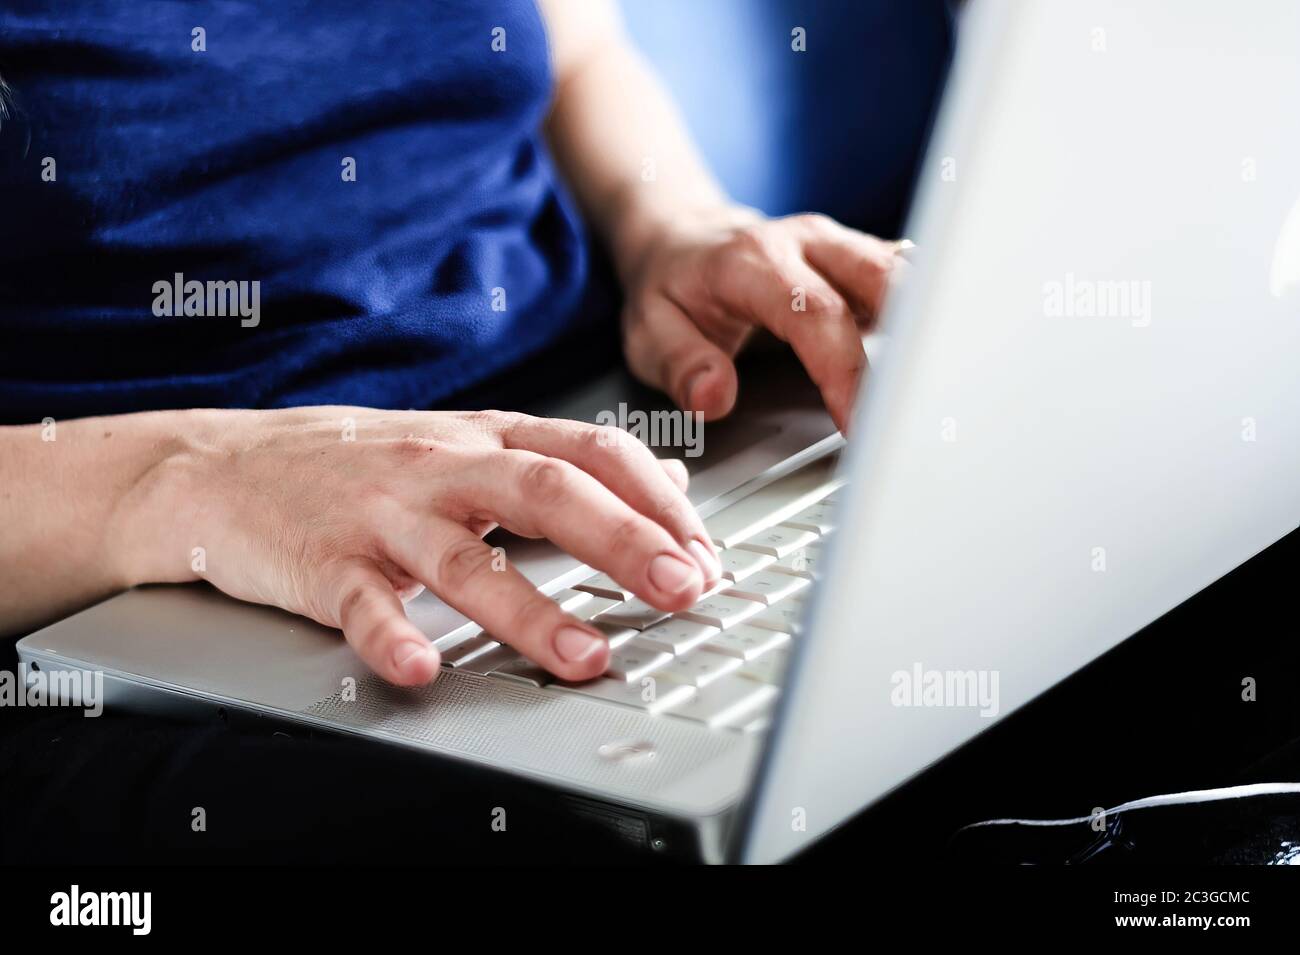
point(485, 416)
point(611, 442)
point(376, 506)
point(672, 513)
point(625, 534)
point(677, 472)
point(491, 421)
point(532, 615)
point(461, 563)
point(813, 221)
point(353, 599)
point(602, 440)
point(411, 447)
point(822, 304)
point(783, 276)
point(751, 242)
point(548, 481)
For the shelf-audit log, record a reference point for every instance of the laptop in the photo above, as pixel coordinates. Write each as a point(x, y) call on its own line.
point(1081, 411)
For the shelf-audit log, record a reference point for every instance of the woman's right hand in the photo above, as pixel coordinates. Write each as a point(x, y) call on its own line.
point(341, 514)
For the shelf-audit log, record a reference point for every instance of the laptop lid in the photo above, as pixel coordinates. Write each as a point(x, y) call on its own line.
point(1089, 410)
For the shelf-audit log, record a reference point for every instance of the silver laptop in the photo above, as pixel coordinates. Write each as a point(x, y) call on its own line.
point(1085, 408)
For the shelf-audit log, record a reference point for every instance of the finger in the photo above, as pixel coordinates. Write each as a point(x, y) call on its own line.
point(625, 466)
point(539, 496)
point(904, 250)
point(858, 265)
point(373, 621)
point(666, 350)
point(785, 295)
point(463, 571)
point(676, 472)
point(826, 338)
point(404, 585)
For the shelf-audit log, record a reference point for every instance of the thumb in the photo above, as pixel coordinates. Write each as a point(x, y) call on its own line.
point(666, 350)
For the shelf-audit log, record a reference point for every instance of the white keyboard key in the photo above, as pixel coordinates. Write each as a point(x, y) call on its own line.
point(485, 663)
point(466, 650)
point(768, 587)
point(805, 562)
point(698, 669)
point(738, 564)
point(759, 718)
point(522, 670)
point(570, 600)
point(632, 661)
point(449, 640)
point(778, 541)
point(725, 701)
point(722, 584)
point(820, 518)
point(603, 585)
point(616, 635)
point(676, 636)
point(634, 613)
point(586, 609)
point(654, 697)
point(745, 642)
point(722, 611)
point(771, 504)
point(768, 668)
point(787, 617)
point(755, 723)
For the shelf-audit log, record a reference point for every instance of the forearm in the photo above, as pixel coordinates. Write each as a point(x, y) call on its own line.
point(620, 142)
point(82, 507)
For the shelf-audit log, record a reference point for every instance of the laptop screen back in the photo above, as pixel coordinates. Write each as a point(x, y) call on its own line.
point(1088, 412)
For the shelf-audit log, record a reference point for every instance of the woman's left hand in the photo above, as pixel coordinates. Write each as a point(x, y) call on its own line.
point(697, 290)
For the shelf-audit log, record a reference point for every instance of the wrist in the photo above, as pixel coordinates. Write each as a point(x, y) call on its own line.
point(647, 215)
point(154, 524)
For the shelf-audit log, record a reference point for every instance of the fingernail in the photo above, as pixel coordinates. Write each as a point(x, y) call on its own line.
point(406, 653)
point(672, 575)
point(692, 381)
point(573, 644)
point(709, 563)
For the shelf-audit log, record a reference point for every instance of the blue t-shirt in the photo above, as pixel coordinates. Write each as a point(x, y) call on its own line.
point(377, 169)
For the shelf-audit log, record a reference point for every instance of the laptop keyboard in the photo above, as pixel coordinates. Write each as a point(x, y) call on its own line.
point(721, 662)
